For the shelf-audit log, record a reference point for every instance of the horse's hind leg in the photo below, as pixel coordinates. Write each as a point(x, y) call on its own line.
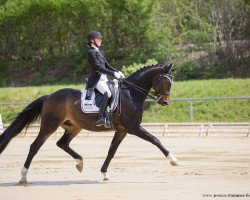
point(44, 133)
point(64, 141)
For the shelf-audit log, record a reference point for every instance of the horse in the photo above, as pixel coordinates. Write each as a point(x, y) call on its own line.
point(62, 108)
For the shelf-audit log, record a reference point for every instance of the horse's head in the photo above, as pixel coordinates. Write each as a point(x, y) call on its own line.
point(162, 82)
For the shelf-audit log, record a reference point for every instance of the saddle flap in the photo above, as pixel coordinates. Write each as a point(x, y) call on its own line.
point(92, 104)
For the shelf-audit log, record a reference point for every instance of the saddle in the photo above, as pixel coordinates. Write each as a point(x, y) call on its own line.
point(92, 104)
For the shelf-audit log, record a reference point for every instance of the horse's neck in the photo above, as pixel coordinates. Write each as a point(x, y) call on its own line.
point(144, 81)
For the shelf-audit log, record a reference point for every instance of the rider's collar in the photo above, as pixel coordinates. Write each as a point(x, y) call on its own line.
point(95, 47)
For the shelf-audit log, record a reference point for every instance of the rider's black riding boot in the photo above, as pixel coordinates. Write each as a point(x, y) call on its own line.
point(102, 118)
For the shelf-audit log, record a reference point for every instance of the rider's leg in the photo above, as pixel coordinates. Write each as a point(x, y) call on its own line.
point(104, 89)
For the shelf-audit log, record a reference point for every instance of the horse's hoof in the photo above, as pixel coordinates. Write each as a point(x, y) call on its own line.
point(23, 182)
point(106, 179)
point(79, 166)
point(174, 163)
point(106, 176)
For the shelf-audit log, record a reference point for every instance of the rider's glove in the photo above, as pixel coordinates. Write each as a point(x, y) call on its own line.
point(122, 75)
point(118, 75)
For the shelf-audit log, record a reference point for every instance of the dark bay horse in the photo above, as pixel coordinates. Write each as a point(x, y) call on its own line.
point(62, 108)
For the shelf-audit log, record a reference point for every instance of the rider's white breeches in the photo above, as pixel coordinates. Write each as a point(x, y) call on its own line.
point(103, 87)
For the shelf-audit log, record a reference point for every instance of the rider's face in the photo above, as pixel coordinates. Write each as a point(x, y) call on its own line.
point(98, 41)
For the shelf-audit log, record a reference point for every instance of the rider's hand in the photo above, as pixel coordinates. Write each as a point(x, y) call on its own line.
point(117, 75)
point(122, 75)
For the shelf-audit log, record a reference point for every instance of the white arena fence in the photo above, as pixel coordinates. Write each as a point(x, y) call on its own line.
point(200, 129)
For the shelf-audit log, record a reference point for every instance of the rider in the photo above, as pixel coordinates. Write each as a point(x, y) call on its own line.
point(98, 77)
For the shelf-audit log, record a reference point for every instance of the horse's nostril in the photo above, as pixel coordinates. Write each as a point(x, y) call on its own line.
point(165, 103)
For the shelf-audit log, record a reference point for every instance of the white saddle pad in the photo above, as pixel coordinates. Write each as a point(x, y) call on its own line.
point(89, 106)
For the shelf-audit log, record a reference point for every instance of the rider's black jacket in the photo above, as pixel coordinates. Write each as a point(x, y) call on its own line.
point(99, 66)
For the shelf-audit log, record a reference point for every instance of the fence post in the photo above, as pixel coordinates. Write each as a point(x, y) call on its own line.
point(210, 129)
point(191, 111)
point(248, 130)
point(201, 130)
point(165, 130)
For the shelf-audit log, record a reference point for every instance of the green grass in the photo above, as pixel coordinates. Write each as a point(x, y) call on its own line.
point(214, 111)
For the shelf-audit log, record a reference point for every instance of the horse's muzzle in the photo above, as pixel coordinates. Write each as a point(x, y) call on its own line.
point(164, 100)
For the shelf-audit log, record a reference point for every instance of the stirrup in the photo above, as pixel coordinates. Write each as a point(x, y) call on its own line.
point(103, 122)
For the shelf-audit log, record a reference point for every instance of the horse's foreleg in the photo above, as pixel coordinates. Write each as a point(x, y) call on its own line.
point(116, 141)
point(142, 133)
point(63, 143)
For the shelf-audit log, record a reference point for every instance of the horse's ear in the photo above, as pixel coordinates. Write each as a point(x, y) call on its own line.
point(173, 69)
point(171, 65)
point(168, 67)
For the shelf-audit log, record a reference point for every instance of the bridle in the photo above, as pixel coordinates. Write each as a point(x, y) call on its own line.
point(152, 94)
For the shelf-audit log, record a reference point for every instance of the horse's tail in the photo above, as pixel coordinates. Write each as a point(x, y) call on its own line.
point(22, 120)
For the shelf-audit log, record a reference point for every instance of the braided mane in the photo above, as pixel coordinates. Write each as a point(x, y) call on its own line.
point(136, 74)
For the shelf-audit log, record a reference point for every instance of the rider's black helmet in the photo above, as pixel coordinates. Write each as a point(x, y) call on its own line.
point(93, 35)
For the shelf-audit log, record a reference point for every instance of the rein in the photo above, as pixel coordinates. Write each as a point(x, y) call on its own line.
point(142, 90)
point(138, 88)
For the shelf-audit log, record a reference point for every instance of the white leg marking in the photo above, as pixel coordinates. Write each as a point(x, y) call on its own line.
point(173, 159)
point(24, 172)
point(106, 176)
